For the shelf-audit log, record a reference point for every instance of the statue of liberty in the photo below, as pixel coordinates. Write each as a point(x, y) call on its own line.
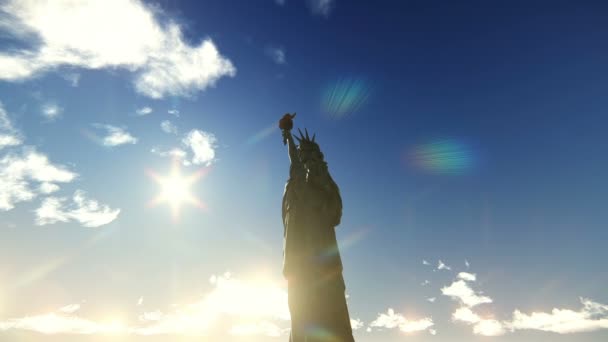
point(312, 208)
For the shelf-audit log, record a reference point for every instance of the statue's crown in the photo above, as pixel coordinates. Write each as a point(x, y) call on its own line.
point(306, 142)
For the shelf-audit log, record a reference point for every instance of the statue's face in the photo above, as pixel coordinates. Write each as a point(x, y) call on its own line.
point(305, 156)
point(312, 160)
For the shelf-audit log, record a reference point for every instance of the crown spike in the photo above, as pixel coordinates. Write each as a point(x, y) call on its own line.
point(307, 137)
point(301, 134)
point(313, 137)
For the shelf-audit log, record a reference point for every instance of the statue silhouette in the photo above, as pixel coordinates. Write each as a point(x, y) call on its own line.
point(312, 208)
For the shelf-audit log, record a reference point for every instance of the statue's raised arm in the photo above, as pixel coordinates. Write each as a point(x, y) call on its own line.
point(286, 124)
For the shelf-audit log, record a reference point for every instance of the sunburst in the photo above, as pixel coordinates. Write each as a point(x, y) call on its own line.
point(176, 189)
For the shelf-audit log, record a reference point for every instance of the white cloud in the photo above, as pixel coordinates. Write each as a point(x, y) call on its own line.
point(442, 266)
point(425, 283)
point(127, 35)
point(489, 327)
point(485, 327)
point(467, 276)
point(262, 328)
point(257, 305)
point(466, 263)
point(173, 112)
point(392, 320)
point(168, 127)
point(48, 188)
point(116, 136)
point(140, 301)
point(465, 314)
point(277, 54)
point(424, 262)
point(51, 111)
point(433, 331)
point(7, 140)
point(322, 7)
point(143, 111)
point(460, 290)
point(202, 145)
point(87, 212)
point(592, 316)
point(432, 299)
point(356, 324)
point(18, 171)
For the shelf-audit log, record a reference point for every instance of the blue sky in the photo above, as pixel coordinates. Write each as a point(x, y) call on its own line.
point(467, 139)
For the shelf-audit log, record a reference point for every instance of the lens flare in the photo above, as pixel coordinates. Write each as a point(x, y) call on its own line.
point(264, 133)
point(345, 96)
point(445, 156)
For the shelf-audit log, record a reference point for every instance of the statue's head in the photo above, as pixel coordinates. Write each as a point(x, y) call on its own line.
point(309, 151)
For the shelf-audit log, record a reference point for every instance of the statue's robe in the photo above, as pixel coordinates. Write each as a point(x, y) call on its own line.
point(312, 264)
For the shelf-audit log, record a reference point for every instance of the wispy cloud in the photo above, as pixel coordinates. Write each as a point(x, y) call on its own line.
point(60, 323)
point(280, 2)
point(116, 136)
point(87, 212)
point(277, 54)
point(72, 77)
point(128, 35)
point(26, 174)
point(8, 134)
point(322, 7)
point(19, 170)
point(391, 320)
point(168, 127)
point(442, 266)
point(143, 111)
point(174, 112)
point(173, 153)
point(70, 308)
point(51, 111)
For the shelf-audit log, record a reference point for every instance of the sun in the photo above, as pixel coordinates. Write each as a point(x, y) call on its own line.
point(176, 189)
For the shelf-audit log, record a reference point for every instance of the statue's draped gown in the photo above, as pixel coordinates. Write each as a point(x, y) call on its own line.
point(312, 265)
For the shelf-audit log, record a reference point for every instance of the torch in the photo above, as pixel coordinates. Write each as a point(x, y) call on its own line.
point(286, 124)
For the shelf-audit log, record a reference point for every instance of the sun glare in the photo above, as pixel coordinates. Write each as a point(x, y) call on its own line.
point(176, 189)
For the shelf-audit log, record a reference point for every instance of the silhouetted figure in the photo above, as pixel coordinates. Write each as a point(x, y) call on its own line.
point(312, 208)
